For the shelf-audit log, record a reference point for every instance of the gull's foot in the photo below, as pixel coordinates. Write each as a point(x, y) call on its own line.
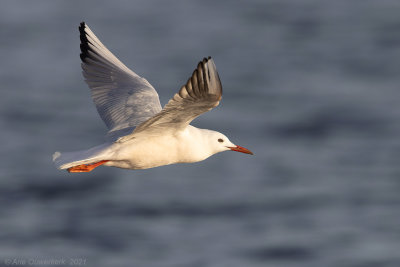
point(86, 167)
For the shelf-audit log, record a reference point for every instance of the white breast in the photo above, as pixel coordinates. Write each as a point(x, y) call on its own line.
point(148, 151)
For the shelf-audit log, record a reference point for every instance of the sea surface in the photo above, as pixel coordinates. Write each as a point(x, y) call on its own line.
point(311, 87)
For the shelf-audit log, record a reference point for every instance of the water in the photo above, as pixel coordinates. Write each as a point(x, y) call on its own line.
point(312, 87)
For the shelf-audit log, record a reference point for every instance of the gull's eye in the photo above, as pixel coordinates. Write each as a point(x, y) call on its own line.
point(220, 140)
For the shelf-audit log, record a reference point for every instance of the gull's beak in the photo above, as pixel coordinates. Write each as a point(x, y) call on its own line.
point(240, 149)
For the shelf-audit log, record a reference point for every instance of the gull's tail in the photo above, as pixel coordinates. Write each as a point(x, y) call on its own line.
point(83, 160)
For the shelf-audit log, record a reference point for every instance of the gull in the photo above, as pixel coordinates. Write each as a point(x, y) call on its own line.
point(141, 134)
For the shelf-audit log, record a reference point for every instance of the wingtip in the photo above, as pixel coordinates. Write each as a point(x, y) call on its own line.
point(206, 59)
point(82, 27)
point(84, 41)
point(204, 75)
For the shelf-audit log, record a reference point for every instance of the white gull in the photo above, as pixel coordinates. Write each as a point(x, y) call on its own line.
point(142, 134)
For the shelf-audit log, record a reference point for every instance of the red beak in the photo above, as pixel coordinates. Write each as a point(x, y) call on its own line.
point(240, 149)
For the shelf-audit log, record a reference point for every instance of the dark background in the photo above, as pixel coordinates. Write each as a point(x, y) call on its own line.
point(311, 87)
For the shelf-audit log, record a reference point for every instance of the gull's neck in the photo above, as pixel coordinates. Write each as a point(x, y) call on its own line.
point(195, 145)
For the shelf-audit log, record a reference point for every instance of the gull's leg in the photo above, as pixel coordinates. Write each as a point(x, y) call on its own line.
point(86, 167)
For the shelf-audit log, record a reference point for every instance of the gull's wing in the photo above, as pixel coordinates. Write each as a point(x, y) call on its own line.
point(122, 98)
point(201, 93)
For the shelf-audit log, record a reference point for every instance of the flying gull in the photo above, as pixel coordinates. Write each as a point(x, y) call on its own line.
point(142, 134)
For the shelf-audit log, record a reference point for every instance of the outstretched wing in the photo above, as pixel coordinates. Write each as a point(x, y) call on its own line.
point(201, 93)
point(122, 98)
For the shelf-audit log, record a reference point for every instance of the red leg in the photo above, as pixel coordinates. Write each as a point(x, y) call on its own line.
point(86, 167)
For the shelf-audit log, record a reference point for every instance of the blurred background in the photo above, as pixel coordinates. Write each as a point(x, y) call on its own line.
point(311, 87)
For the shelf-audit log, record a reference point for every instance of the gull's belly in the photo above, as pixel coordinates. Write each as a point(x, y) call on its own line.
point(145, 154)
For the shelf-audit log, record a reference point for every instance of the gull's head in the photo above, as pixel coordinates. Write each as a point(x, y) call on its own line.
point(218, 142)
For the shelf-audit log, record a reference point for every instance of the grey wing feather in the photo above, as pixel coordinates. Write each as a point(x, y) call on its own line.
point(201, 93)
point(122, 98)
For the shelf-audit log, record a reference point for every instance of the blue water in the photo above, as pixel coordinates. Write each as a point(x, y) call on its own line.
point(311, 87)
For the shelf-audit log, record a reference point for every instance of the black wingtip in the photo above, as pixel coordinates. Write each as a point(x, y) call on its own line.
point(84, 41)
point(206, 59)
point(81, 28)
